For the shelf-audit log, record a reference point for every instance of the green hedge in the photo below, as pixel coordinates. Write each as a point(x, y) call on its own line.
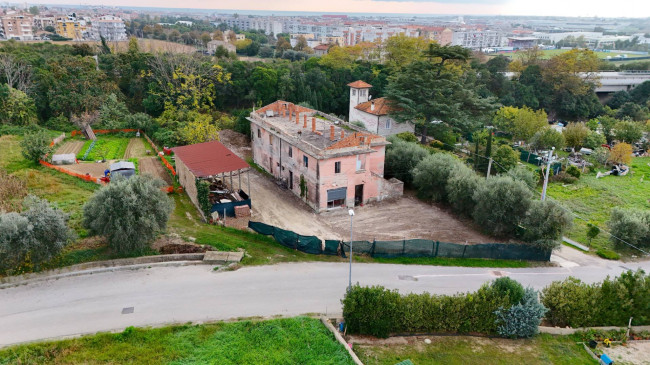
point(379, 312)
point(610, 303)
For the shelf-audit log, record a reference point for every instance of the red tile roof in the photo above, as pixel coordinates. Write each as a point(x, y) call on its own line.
point(359, 84)
point(322, 47)
point(209, 158)
point(382, 106)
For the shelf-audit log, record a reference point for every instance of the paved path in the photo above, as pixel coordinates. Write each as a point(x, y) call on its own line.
point(91, 303)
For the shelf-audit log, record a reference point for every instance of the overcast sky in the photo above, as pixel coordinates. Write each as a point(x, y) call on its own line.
point(586, 8)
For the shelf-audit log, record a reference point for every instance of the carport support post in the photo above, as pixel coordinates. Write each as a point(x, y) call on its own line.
point(231, 185)
point(239, 177)
point(248, 177)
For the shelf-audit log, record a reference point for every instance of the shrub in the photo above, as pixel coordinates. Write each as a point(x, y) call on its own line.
point(523, 318)
point(523, 174)
point(563, 177)
point(545, 223)
point(500, 202)
point(628, 131)
point(601, 155)
point(379, 312)
point(573, 171)
point(407, 137)
point(36, 235)
point(630, 225)
point(371, 310)
point(506, 158)
point(607, 254)
point(36, 145)
point(430, 176)
point(594, 140)
point(59, 123)
point(507, 286)
point(575, 134)
point(128, 212)
point(547, 138)
point(461, 185)
point(621, 154)
point(610, 303)
point(401, 158)
point(569, 302)
point(592, 231)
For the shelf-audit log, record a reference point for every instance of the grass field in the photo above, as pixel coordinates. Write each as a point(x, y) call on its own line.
point(106, 147)
point(593, 199)
point(297, 340)
point(462, 350)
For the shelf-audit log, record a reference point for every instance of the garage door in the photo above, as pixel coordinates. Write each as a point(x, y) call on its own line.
point(336, 194)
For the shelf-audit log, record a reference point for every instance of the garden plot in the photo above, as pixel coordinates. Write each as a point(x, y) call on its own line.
point(72, 146)
point(136, 148)
point(104, 148)
point(94, 169)
point(152, 166)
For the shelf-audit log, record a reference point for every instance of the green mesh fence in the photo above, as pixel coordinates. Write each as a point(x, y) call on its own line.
point(530, 157)
point(402, 248)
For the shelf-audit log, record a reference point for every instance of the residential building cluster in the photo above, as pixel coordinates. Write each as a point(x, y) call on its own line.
point(24, 26)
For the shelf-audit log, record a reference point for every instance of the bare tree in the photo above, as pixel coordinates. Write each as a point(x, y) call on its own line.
point(17, 73)
point(85, 118)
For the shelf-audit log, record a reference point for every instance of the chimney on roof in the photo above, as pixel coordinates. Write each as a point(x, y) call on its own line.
point(297, 118)
point(372, 106)
point(304, 125)
point(331, 133)
point(304, 116)
point(342, 134)
point(313, 124)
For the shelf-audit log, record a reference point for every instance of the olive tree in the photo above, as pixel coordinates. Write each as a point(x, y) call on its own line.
point(431, 174)
point(36, 235)
point(35, 145)
point(401, 158)
point(128, 212)
point(631, 226)
point(500, 203)
point(461, 185)
point(545, 223)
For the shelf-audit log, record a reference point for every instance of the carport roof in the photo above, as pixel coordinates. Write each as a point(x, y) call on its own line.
point(209, 158)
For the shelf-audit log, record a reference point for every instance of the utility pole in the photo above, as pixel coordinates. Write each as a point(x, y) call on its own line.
point(548, 172)
point(489, 168)
point(351, 212)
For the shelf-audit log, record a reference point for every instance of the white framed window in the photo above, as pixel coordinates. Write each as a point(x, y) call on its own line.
point(362, 92)
point(388, 123)
point(354, 92)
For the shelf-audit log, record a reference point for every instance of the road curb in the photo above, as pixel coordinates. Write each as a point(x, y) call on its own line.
point(104, 266)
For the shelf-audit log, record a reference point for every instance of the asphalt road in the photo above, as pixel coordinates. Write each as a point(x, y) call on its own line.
point(91, 303)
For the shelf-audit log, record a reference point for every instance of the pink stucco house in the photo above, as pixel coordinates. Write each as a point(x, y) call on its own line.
point(322, 159)
point(374, 114)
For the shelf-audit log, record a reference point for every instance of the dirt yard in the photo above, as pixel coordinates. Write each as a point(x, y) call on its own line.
point(72, 146)
point(152, 166)
point(406, 217)
point(635, 353)
point(95, 169)
point(136, 148)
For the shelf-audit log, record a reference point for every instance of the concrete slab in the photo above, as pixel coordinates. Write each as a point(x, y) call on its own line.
point(215, 257)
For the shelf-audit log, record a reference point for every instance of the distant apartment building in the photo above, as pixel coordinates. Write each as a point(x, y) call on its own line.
point(17, 26)
point(71, 27)
point(441, 35)
point(477, 39)
point(42, 22)
point(320, 161)
point(355, 35)
point(110, 27)
point(266, 24)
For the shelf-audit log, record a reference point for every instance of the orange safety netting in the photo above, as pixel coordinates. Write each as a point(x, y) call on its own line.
point(65, 171)
point(103, 131)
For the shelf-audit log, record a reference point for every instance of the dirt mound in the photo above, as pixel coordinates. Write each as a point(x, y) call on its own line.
point(175, 248)
point(236, 142)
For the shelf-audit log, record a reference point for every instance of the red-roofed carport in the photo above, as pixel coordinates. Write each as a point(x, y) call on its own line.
point(212, 162)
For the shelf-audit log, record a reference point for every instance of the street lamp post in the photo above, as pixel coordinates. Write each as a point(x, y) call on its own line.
point(351, 213)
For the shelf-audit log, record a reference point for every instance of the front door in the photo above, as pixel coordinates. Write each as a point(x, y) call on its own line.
point(290, 180)
point(358, 194)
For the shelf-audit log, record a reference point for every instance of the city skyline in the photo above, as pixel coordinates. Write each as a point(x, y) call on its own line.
point(582, 8)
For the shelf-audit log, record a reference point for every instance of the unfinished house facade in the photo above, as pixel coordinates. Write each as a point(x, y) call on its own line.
point(322, 159)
